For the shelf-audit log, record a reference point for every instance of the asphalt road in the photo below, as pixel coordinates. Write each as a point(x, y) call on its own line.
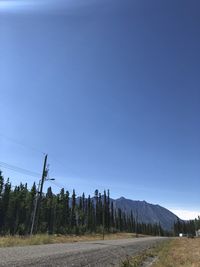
point(91, 253)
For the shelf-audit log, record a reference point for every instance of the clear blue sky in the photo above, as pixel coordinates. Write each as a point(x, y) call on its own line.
point(110, 90)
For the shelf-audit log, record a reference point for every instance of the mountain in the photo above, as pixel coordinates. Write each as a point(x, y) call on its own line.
point(146, 212)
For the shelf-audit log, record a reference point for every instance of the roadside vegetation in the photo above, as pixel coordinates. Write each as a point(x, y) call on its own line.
point(180, 252)
point(172, 253)
point(146, 257)
point(39, 239)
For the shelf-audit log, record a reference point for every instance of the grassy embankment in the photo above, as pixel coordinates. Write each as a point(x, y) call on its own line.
point(9, 241)
point(177, 252)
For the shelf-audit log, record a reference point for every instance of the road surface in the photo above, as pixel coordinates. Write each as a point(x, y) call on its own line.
point(101, 253)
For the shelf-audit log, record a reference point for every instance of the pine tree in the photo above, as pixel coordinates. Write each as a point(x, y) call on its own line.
point(67, 218)
point(73, 211)
point(1, 202)
point(108, 210)
point(97, 219)
point(49, 211)
point(112, 222)
point(5, 204)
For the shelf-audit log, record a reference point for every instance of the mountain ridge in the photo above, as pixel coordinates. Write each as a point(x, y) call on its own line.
point(146, 212)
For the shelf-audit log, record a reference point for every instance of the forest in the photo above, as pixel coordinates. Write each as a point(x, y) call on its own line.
point(64, 214)
point(186, 227)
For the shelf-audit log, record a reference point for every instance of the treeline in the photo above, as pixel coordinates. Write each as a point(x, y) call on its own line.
point(186, 227)
point(64, 214)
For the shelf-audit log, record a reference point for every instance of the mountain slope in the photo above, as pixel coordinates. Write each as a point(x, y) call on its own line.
point(147, 213)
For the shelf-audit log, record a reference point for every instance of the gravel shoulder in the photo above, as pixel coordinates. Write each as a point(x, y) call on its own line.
point(101, 253)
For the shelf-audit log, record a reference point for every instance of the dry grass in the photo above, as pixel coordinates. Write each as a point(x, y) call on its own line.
point(180, 252)
point(176, 252)
point(139, 259)
point(9, 241)
point(146, 257)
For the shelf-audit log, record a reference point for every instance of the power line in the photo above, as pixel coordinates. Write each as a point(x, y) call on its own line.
point(59, 185)
point(28, 172)
point(22, 144)
point(24, 171)
point(59, 162)
point(18, 169)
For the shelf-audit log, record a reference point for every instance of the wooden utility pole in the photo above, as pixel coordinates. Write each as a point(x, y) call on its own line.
point(44, 175)
point(38, 196)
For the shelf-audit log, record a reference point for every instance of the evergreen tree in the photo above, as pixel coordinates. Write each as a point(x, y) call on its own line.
point(5, 204)
point(1, 201)
point(73, 211)
point(49, 211)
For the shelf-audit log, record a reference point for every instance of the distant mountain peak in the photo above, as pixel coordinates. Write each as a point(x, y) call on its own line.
point(146, 212)
point(121, 198)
